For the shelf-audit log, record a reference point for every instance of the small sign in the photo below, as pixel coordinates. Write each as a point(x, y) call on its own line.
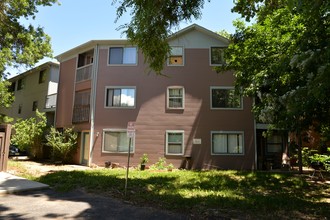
point(197, 141)
point(131, 129)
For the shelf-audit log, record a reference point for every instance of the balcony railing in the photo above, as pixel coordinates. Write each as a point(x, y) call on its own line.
point(51, 101)
point(84, 73)
point(80, 113)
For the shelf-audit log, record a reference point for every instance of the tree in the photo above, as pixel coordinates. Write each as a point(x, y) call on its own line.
point(28, 133)
point(20, 44)
point(152, 22)
point(283, 61)
point(63, 143)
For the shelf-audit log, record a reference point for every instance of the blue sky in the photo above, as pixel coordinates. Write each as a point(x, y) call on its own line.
point(75, 22)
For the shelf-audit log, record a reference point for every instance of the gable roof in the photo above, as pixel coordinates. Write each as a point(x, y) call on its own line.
point(200, 29)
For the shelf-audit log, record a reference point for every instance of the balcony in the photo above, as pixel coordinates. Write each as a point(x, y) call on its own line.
point(84, 73)
point(51, 101)
point(80, 114)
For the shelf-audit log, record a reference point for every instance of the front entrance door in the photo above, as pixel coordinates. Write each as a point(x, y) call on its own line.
point(2, 152)
point(85, 148)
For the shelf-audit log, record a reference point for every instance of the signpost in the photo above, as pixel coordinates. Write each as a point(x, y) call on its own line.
point(130, 135)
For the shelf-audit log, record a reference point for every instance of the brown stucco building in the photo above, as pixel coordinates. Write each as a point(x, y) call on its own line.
point(190, 116)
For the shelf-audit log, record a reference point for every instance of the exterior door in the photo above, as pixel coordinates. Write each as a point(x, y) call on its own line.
point(85, 148)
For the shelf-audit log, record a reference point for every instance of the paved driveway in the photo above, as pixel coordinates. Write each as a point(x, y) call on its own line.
point(48, 204)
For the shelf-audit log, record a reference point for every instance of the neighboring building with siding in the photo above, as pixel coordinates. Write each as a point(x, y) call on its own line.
point(34, 89)
point(190, 116)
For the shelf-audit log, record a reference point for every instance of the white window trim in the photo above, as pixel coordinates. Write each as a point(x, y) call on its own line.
point(168, 97)
point(123, 46)
point(119, 87)
point(210, 55)
point(183, 56)
point(228, 88)
point(228, 132)
point(116, 130)
point(166, 139)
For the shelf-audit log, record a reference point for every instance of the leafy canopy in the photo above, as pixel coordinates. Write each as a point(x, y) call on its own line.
point(20, 44)
point(152, 22)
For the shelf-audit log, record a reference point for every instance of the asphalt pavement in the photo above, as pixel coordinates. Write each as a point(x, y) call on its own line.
point(24, 199)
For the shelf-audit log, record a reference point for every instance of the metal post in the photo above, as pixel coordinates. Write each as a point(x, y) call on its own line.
point(127, 169)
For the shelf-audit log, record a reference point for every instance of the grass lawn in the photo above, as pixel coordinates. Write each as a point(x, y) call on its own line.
point(204, 194)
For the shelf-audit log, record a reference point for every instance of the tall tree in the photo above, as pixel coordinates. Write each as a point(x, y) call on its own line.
point(19, 43)
point(284, 61)
point(152, 22)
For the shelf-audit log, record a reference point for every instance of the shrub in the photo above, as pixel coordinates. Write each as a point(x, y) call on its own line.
point(63, 143)
point(29, 134)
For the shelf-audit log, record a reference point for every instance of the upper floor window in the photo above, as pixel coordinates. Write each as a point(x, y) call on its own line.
point(175, 97)
point(224, 142)
point(225, 98)
point(176, 56)
point(34, 105)
point(122, 55)
point(42, 76)
point(120, 97)
point(12, 86)
point(217, 56)
point(174, 142)
point(20, 84)
point(116, 141)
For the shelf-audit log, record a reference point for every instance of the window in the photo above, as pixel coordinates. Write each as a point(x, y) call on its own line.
point(176, 56)
point(19, 109)
point(227, 142)
point(116, 141)
point(34, 105)
point(120, 97)
point(12, 87)
point(274, 144)
point(122, 55)
point(217, 56)
point(225, 98)
point(42, 76)
point(174, 142)
point(175, 97)
point(20, 84)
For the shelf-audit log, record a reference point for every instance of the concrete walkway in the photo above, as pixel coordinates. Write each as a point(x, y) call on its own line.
point(10, 184)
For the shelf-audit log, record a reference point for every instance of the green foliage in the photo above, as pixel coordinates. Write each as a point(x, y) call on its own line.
point(151, 25)
point(29, 133)
point(160, 164)
point(19, 43)
point(144, 159)
point(283, 61)
point(63, 143)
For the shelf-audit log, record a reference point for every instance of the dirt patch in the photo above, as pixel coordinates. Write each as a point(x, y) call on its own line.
point(40, 168)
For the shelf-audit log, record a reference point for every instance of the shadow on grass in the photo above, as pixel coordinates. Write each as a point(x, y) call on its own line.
point(206, 193)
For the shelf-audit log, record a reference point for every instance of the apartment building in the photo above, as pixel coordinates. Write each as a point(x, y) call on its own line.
point(190, 115)
point(34, 89)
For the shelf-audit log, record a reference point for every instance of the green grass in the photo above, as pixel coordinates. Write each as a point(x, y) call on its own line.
point(206, 193)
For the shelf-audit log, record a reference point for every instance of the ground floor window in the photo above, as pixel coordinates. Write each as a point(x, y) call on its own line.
point(224, 142)
point(174, 142)
point(116, 141)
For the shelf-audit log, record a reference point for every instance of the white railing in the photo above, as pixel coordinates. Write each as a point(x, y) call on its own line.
point(51, 101)
point(84, 73)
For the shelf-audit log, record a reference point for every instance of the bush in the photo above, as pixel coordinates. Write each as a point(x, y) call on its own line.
point(28, 134)
point(63, 143)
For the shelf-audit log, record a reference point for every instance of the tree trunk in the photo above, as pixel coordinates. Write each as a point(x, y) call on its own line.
point(300, 164)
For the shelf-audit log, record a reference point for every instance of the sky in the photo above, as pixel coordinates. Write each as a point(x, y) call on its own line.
point(75, 22)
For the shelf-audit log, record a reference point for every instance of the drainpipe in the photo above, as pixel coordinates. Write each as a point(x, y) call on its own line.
point(92, 103)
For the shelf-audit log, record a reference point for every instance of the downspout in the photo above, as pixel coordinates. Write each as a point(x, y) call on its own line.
point(92, 103)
